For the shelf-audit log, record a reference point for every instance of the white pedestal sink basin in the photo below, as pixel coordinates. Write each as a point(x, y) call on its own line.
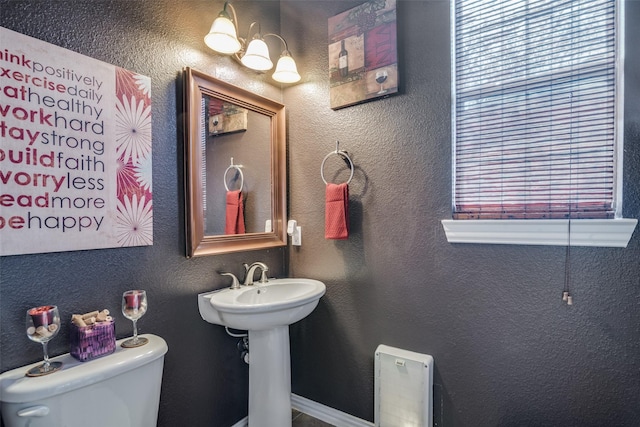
point(265, 310)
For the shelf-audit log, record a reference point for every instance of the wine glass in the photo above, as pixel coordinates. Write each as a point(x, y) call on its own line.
point(134, 306)
point(381, 77)
point(43, 323)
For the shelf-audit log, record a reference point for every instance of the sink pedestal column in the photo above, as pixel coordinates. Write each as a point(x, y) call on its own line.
point(269, 378)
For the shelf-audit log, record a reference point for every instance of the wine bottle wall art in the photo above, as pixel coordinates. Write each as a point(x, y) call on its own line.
point(363, 60)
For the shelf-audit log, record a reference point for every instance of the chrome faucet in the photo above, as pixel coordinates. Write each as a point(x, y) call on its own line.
point(251, 269)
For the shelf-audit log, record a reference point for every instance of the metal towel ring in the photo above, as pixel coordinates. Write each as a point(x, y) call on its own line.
point(236, 167)
point(344, 155)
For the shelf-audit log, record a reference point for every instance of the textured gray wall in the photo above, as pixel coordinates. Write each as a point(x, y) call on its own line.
point(507, 351)
point(205, 382)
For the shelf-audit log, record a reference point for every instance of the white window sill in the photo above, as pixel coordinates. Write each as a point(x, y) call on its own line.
point(584, 232)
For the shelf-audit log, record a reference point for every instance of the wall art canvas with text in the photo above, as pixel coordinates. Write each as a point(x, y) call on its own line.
point(75, 151)
point(363, 58)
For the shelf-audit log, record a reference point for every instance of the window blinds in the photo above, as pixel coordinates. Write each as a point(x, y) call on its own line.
point(534, 113)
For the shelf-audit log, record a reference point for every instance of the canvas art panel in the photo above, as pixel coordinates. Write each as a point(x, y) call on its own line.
point(363, 59)
point(75, 151)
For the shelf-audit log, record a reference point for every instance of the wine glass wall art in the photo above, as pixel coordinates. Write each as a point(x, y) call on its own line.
point(363, 58)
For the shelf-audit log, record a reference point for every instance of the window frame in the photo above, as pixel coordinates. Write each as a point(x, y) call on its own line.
point(614, 232)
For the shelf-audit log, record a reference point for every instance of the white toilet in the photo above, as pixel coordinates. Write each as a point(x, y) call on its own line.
point(121, 389)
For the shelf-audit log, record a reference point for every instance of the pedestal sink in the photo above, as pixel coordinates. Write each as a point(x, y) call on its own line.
point(265, 310)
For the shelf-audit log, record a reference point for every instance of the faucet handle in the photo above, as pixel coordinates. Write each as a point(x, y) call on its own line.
point(235, 284)
point(263, 277)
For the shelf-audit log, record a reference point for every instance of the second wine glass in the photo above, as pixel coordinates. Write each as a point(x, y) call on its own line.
point(134, 306)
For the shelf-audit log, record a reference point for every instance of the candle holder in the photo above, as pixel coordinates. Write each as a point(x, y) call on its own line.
point(42, 324)
point(134, 306)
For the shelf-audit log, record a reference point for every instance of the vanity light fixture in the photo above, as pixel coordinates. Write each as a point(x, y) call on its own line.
point(253, 54)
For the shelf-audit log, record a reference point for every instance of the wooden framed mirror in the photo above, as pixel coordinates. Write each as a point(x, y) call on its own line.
point(234, 141)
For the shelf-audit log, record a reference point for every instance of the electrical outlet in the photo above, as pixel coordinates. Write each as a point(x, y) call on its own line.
point(296, 238)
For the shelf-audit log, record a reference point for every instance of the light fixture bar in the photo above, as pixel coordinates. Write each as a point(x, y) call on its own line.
point(254, 54)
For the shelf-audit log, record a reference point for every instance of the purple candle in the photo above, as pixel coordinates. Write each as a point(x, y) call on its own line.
point(42, 316)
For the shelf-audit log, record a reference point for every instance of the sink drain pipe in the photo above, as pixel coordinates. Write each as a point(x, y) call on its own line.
point(243, 344)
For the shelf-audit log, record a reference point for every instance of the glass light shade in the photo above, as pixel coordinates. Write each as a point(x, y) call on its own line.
point(222, 37)
point(286, 70)
point(257, 56)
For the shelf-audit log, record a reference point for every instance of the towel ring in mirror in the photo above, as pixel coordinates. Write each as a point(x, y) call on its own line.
point(238, 168)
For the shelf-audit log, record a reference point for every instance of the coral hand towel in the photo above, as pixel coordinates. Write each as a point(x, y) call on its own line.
point(336, 220)
point(234, 213)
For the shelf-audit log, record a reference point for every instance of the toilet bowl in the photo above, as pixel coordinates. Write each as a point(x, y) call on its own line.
point(121, 389)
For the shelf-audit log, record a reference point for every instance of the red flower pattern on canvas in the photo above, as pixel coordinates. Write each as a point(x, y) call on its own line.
point(133, 148)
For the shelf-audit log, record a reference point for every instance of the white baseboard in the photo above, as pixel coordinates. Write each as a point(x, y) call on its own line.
point(320, 412)
point(242, 423)
point(326, 413)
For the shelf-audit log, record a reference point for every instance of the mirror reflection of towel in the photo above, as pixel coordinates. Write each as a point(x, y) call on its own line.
point(336, 221)
point(234, 213)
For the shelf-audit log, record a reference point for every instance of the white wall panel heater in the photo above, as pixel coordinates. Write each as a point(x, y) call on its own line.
point(403, 388)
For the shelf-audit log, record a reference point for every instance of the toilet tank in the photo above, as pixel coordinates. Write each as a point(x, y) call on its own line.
point(121, 389)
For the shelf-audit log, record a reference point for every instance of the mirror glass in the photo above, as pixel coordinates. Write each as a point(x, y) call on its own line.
point(236, 158)
point(234, 166)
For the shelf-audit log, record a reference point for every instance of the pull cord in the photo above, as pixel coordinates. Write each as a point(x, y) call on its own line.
point(566, 294)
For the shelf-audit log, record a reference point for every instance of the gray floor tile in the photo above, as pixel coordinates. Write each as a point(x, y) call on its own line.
point(304, 420)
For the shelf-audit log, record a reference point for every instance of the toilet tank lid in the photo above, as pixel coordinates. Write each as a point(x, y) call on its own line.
point(15, 387)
